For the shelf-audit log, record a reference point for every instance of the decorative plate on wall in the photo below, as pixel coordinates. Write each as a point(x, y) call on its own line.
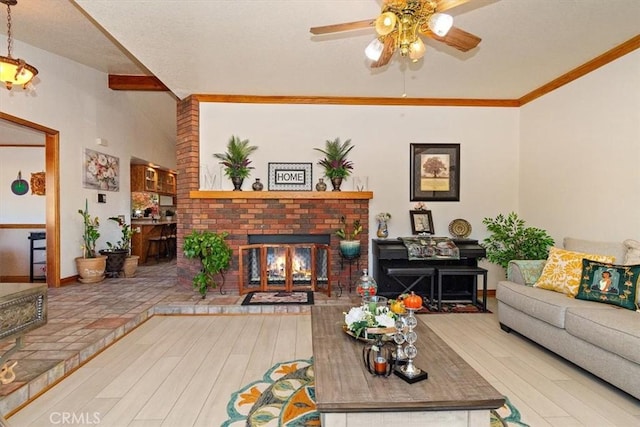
point(19, 186)
point(460, 228)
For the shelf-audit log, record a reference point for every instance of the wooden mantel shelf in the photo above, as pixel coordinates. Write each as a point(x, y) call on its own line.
point(319, 195)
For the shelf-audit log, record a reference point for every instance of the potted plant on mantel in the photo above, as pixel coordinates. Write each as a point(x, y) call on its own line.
point(236, 160)
point(335, 163)
point(90, 266)
point(214, 254)
point(350, 243)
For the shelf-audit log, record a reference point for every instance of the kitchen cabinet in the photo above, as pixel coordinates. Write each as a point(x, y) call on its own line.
point(166, 183)
point(144, 178)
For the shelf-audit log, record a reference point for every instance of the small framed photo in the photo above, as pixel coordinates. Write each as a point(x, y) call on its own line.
point(435, 172)
point(421, 222)
point(290, 176)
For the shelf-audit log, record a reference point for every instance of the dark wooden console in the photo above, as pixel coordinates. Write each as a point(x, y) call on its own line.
point(392, 254)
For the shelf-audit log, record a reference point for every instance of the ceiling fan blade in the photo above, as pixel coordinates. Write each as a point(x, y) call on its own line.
point(442, 5)
point(387, 53)
point(456, 37)
point(347, 26)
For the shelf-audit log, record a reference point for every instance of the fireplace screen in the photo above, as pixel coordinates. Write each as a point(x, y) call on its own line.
point(284, 267)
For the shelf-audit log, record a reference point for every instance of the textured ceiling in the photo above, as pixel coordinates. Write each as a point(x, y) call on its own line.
point(256, 47)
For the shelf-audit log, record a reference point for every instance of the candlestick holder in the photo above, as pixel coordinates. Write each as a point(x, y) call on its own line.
point(409, 372)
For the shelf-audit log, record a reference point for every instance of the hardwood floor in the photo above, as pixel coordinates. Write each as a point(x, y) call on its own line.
point(181, 370)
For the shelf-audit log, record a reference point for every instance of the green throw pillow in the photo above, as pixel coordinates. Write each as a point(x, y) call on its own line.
point(609, 283)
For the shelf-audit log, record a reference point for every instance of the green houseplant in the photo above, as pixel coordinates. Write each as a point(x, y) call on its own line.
point(119, 254)
point(236, 160)
point(511, 240)
point(214, 254)
point(90, 266)
point(335, 163)
point(350, 242)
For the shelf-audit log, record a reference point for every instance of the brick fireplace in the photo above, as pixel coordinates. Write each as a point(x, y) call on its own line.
point(252, 213)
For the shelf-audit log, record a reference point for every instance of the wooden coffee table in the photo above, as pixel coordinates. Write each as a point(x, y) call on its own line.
point(348, 395)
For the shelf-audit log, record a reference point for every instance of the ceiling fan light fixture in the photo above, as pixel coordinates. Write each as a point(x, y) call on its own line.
point(374, 50)
point(416, 50)
point(385, 23)
point(14, 71)
point(440, 23)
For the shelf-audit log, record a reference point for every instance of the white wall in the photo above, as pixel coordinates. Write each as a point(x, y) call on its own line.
point(580, 156)
point(381, 135)
point(76, 101)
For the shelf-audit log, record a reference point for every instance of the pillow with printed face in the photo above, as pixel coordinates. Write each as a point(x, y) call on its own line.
point(609, 283)
point(563, 270)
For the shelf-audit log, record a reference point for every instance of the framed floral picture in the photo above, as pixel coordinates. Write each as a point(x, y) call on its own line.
point(100, 171)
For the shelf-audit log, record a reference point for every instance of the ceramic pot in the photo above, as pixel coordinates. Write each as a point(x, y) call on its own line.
point(350, 248)
point(115, 261)
point(321, 185)
point(257, 186)
point(130, 265)
point(237, 183)
point(336, 183)
point(91, 270)
point(383, 230)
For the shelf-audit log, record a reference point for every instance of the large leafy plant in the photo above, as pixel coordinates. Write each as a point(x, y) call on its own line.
point(90, 232)
point(214, 254)
point(236, 159)
point(335, 162)
point(510, 240)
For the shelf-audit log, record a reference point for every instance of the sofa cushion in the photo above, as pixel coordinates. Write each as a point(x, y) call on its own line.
point(609, 283)
point(563, 270)
point(616, 330)
point(633, 252)
point(545, 305)
point(616, 249)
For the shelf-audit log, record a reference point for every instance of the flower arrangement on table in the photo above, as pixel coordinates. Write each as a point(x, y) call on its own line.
point(367, 316)
point(383, 217)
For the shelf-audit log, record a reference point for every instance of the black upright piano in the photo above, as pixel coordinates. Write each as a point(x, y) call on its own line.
point(392, 253)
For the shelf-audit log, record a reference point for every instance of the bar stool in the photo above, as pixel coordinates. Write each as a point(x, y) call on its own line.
point(420, 273)
point(464, 270)
point(172, 240)
point(159, 243)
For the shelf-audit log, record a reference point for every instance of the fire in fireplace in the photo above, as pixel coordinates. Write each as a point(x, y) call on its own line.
point(285, 262)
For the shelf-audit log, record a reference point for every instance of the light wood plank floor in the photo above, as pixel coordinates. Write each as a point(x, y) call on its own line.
point(181, 370)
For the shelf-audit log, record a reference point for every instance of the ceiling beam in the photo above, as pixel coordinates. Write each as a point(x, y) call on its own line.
point(146, 83)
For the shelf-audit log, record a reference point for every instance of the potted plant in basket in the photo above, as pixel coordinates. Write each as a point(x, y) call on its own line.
point(335, 163)
point(214, 254)
point(236, 160)
point(119, 256)
point(350, 243)
point(511, 240)
point(90, 266)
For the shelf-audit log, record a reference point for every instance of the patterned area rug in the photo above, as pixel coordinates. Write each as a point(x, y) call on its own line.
point(275, 298)
point(285, 396)
point(453, 308)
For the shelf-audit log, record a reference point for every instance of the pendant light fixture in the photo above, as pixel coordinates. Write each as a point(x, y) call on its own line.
point(14, 71)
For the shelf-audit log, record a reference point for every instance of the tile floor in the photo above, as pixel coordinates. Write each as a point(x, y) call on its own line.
point(84, 319)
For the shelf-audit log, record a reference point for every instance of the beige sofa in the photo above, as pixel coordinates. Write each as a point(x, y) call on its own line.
point(601, 338)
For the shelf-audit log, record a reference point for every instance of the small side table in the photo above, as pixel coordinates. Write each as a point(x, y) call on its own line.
point(464, 270)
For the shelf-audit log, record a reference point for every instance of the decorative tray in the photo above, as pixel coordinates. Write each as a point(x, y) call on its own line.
point(460, 228)
point(388, 332)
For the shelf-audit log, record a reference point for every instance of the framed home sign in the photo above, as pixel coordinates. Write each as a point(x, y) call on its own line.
point(435, 172)
point(290, 176)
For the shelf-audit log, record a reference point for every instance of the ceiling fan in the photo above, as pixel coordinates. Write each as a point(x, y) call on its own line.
point(400, 24)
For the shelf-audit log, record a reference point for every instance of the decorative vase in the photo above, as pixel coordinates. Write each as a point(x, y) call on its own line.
point(350, 249)
point(237, 183)
point(383, 230)
point(91, 270)
point(336, 183)
point(130, 265)
point(321, 185)
point(257, 186)
point(115, 261)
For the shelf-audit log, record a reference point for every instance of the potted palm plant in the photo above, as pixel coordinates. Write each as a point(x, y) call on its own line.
point(236, 160)
point(214, 254)
point(350, 242)
point(90, 266)
point(335, 163)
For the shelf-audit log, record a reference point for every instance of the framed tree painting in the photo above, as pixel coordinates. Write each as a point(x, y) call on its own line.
point(435, 172)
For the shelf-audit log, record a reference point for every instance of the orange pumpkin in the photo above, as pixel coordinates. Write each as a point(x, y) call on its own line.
point(413, 301)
